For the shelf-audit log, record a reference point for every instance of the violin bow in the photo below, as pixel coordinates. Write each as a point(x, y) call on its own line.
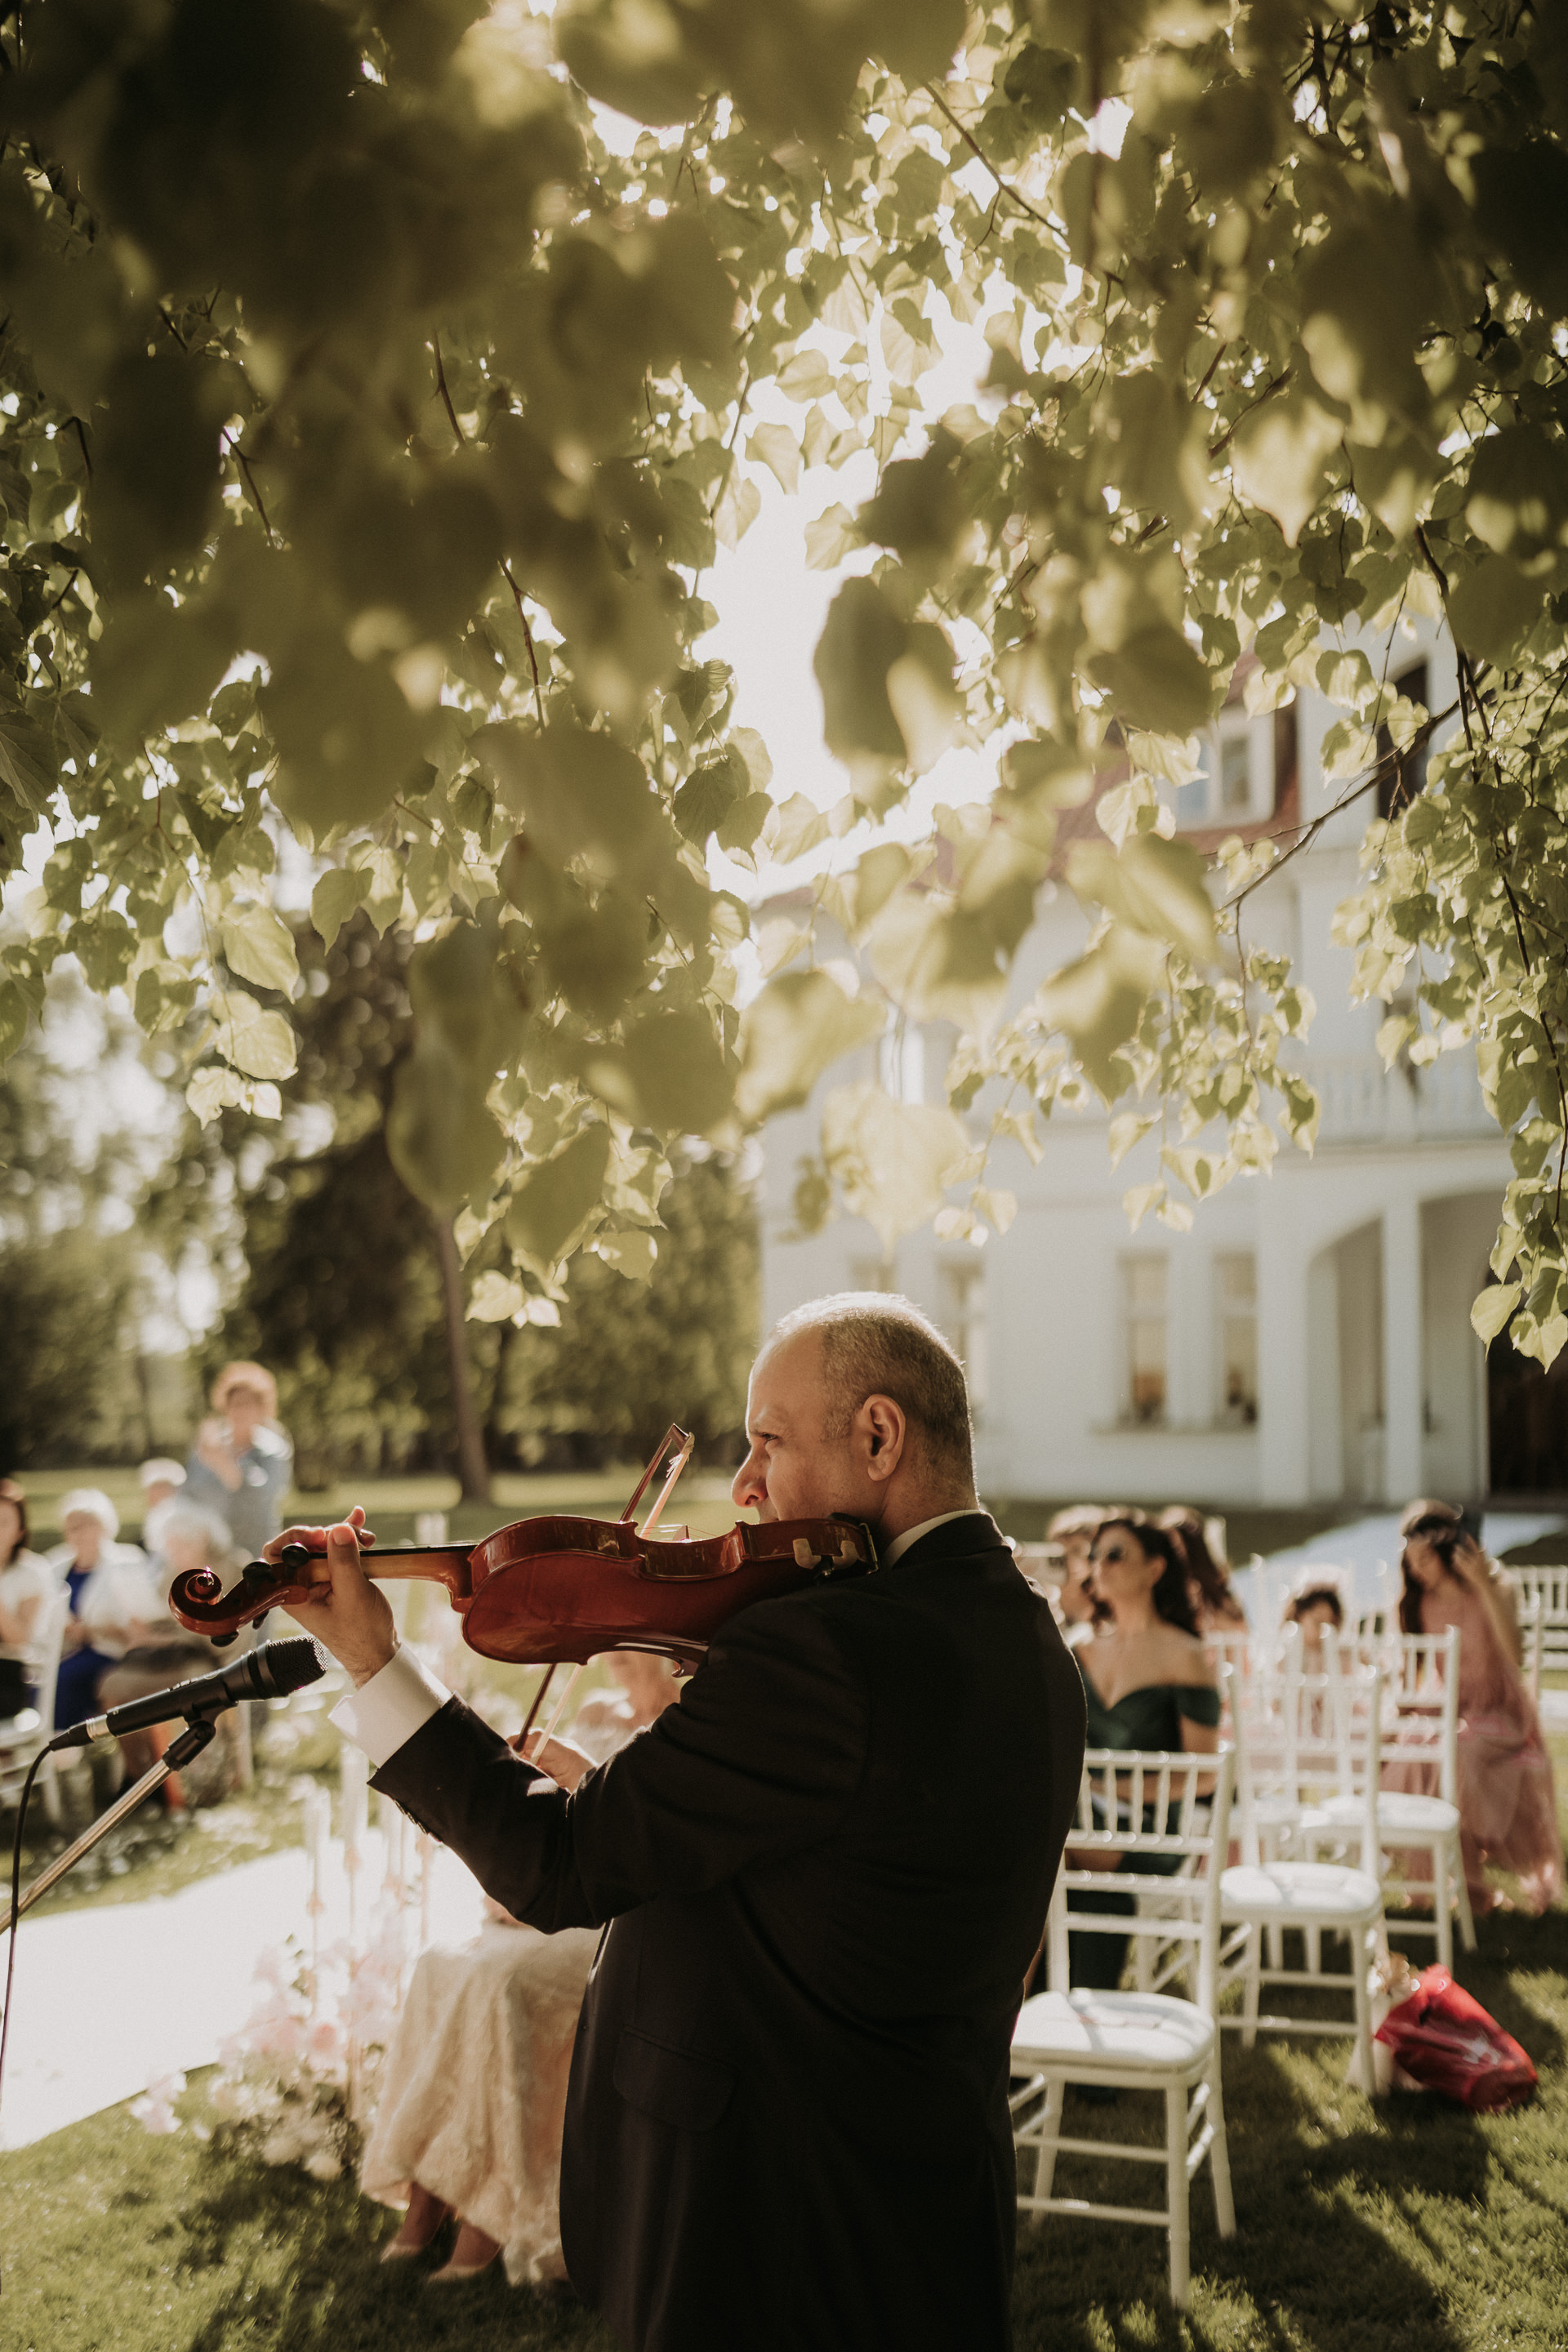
point(674, 1436)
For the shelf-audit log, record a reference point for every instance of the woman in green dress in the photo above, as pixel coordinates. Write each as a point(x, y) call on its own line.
point(1148, 1679)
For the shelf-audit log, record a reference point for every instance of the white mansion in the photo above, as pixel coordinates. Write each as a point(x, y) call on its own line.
point(1309, 1339)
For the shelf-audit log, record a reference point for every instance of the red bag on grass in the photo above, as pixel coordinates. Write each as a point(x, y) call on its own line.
point(1443, 2040)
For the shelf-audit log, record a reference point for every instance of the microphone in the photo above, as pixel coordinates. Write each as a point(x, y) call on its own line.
point(270, 1672)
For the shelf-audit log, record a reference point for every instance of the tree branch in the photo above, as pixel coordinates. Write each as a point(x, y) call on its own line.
point(984, 159)
point(527, 639)
point(1309, 832)
point(458, 432)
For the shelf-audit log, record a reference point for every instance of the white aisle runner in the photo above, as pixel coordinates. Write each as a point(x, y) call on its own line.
point(109, 1998)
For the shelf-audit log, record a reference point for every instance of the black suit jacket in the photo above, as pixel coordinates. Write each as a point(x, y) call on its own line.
point(824, 1875)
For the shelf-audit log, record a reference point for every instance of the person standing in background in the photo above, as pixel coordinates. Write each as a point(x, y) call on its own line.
point(161, 1481)
point(242, 1465)
point(25, 1583)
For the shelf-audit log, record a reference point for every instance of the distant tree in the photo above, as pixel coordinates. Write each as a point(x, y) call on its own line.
point(73, 1273)
point(343, 1293)
point(626, 1360)
point(69, 1393)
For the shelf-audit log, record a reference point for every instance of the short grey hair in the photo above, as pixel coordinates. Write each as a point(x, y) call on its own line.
point(189, 1520)
point(875, 1343)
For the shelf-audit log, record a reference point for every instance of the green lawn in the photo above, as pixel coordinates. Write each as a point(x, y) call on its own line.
point(1410, 2227)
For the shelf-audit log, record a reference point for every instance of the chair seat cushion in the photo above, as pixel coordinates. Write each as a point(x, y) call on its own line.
point(1309, 1892)
point(1428, 1816)
point(1147, 2031)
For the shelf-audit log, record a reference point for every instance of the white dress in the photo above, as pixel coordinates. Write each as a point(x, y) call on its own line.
point(474, 2095)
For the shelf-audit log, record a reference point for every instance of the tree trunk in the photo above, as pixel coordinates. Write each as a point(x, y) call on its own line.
point(473, 1470)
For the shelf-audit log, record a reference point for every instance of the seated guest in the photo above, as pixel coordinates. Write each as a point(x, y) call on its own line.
point(1317, 1606)
point(1148, 1680)
point(474, 2097)
point(1073, 1532)
point(161, 1481)
point(25, 1584)
point(1215, 1605)
point(112, 1600)
point(167, 1654)
point(1507, 1808)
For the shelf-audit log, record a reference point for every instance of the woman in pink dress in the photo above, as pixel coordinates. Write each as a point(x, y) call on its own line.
point(1508, 1807)
point(473, 2100)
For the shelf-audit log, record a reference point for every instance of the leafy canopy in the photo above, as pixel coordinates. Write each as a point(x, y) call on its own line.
point(369, 424)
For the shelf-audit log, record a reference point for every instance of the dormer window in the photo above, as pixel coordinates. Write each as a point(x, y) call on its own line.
point(1234, 784)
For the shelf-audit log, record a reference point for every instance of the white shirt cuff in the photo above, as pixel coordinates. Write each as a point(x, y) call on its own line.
point(388, 1711)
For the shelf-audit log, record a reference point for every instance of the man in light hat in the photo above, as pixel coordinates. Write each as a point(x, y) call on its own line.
point(161, 1480)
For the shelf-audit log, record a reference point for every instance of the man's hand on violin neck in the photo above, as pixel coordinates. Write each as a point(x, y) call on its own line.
point(345, 1612)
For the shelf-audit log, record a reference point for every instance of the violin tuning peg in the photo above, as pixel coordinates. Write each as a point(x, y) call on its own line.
point(804, 1555)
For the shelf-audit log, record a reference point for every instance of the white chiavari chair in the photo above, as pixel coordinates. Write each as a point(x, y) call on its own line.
point(1144, 1809)
point(1419, 1735)
point(1331, 1726)
point(1543, 1592)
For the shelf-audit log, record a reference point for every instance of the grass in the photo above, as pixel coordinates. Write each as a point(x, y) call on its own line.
point(1410, 2227)
point(703, 1498)
point(392, 1505)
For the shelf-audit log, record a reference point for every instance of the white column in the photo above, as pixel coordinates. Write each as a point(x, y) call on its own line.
point(1282, 1352)
point(1402, 1416)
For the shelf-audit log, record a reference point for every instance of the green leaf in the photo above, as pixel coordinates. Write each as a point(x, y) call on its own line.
point(346, 737)
point(338, 891)
point(1151, 884)
point(496, 1298)
point(775, 447)
point(1493, 1311)
point(1099, 1001)
point(892, 1162)
point(442, 1139)
point(800, 825)
point(804, 378)
point(1280, 457)
point(830, 538)
point(260, 946)
point(683, 1084)
point(212, 1089)
point(585, 798)
point(632, 1253)
point(557, 1202)
point(1494, 608)
point(259, 1042)
point(790, 1034)
point(157, 664)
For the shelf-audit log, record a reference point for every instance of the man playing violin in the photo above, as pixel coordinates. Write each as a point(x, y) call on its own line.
point(822, 1879)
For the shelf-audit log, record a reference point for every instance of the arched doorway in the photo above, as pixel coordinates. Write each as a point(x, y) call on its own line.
point(1527, 1422)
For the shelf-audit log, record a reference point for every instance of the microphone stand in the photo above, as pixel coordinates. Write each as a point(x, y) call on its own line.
point(199, 1731)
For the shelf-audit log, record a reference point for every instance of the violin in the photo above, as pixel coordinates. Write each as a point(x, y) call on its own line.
point(558, 1588)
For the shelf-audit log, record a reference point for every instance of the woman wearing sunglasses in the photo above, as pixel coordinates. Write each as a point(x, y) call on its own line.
point(1149, 1681)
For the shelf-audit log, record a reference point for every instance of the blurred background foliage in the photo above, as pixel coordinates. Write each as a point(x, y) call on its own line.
point(372, 411)
point(327, 1270)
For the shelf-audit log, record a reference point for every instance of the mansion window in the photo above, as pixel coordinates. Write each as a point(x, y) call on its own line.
point(1234, 784)
point(1236, 1283)
point(1143, 1285)
point(1398, 783)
